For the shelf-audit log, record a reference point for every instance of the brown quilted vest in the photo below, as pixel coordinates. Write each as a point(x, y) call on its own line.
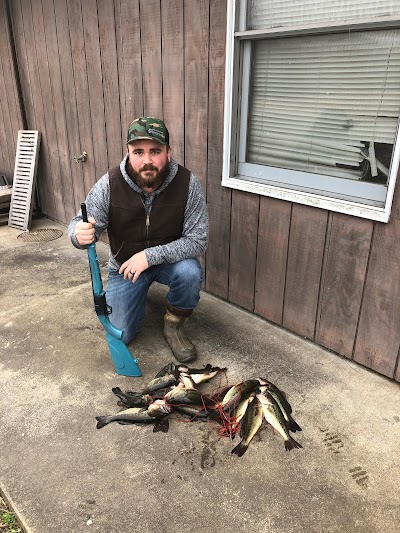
point(129, 230)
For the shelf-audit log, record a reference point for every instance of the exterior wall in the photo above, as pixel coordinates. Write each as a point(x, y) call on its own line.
point(88, 67)
point(10, 110)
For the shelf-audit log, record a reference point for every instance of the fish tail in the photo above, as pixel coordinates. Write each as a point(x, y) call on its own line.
point(240, 449)
point(101, 421)
point(294, 426)
point(291, 443)
point(162, 424)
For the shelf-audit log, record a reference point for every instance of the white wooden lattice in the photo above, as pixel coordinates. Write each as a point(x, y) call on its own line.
point(24, 179)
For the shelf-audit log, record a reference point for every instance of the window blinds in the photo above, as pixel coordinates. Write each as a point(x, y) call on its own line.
point(266, 14)
point(319, 103)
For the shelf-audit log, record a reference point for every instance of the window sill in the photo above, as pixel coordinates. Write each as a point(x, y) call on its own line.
point(380, 213)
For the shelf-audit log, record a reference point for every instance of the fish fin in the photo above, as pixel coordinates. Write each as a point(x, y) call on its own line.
point(291, 443)
point(101, 421)
point(203, 370)
point(167, 369)
point(162, 424)
point(240, 449)
point(294, 426)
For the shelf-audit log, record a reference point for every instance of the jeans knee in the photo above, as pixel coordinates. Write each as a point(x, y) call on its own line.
point(189, 272)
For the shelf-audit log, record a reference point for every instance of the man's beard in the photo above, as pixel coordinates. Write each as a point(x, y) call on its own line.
point(148, 183)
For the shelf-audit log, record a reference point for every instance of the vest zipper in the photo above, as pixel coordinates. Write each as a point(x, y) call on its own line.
point(147, 229)
point(147, 222)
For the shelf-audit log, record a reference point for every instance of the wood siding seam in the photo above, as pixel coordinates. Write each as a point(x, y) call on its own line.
point(256, 257)
point(228, 285)
point(74, 172)
point(14, 65)
point(117, 66)
point(184, 83)
point(162, 65)
point(328, 233)
point(286, 269)
point(141, 54)
point(363, 290)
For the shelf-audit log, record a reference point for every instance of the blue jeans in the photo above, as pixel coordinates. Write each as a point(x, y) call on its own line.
point(128, 300)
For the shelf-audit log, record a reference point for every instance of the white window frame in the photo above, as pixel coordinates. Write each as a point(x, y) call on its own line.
point(281, 185)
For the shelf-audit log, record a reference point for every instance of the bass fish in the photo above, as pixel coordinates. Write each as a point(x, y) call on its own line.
point(201, 375)
point(184, 396)
point(132, 399)
point(251, 423)
point(133, 415)
point(273, 415)
point(238, 393)
point(162, 382)
point(280, 398)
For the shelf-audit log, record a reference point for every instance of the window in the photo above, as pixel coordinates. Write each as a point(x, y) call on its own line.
point(312, 102)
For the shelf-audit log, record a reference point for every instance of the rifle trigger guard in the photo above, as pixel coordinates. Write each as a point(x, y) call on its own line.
point(100, 305)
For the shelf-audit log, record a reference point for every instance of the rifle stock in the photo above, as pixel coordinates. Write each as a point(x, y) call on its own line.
point(124, 363)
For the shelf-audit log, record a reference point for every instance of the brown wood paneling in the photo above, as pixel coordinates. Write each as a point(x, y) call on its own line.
point(6, 130)
point(129, 62)
point(96, 100)
point(82, 93)
point(26, 81)
point(108, 47)
point(243, 248)
point(46, 193)
point(12, 93)
point(60, 142)
point(346, 256)
point(378, 336)
point(273, 237)
point(173, 75)
point(150, 27)
point(74, 181)
point(303, 275)
point(196, 24)
point(20, 50)
point(218, 197)
point(53, 179)
point(9, 111)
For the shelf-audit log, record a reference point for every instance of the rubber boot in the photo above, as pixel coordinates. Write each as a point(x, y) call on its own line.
point(182, 348)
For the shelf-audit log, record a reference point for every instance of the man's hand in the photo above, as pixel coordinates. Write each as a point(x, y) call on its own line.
point(132, 268)
point(84, 231)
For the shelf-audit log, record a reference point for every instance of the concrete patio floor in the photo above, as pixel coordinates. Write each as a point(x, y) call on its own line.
point(62, 475)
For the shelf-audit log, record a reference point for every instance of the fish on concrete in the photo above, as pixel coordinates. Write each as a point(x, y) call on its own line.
point(251, 423)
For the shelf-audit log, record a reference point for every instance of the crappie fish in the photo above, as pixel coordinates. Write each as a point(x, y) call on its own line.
point(274, 416)
point(133, 415)
point(251, 423)
point(280, 398)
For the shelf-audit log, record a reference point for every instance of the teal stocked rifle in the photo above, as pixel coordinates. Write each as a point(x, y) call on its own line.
point(124, 363)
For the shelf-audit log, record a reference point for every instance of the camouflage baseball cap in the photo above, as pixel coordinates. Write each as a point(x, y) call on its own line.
point(148, 128)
